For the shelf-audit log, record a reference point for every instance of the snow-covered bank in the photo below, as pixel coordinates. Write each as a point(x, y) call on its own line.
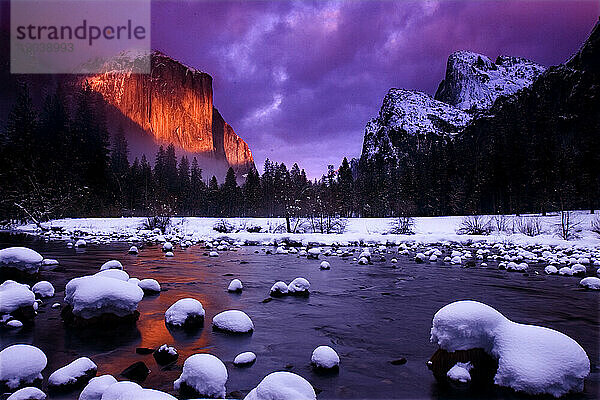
point(357, 230)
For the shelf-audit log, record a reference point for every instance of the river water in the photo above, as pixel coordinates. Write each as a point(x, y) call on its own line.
point(370, 315)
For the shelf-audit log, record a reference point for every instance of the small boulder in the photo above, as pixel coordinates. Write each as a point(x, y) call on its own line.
point(245, 359)
point(235, 286)
point(165, 355)
point(136, 372)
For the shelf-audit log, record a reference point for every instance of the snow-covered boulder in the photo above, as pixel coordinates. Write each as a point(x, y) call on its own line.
point(233, 321)
point(551, 270)
point(101, 299)
point(512, 266)
point(133, 250)
point(591, 282)
point(169, 254)
point(149, 286)
point(420, 258)
point(213, 254)
point(96, 387)
point(20, 259)
point(531, 359)
point(282, 385)
point(578, 269)
point(28, 393)
point(16, 299)
point(313, 253)
point(279, 289)
point(43, 289)
point(565, 271)
point(325, 265)
point(460, 372)
point(203, 375)
point(165, 354)
point(75, 374)
point(112, 264)
point(167, 246)
point(185, 313)
point(363, 261)
point(20, 365)
point(114, 274)
point(235, 286)
point(456, 260)
point(132, 391)
point(80, 243)
point(324, 357)
point(299, 287)
point(49, 264)
point(244, 359)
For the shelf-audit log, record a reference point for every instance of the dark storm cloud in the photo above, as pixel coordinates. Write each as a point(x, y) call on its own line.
point(299, 80)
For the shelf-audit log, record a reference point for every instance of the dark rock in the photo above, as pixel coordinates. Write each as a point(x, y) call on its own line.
point(24, 314)
point(79, 383)
point(289, 366)
point(163, 357)
point(400, 361)
point(136, 372)
point(192, 322)
point(105, 320)
point(144, 350)
point(5, 389)
point(243, 262)
point(236, 394)
point(483, 371)
point(469, 264)
point(267, 300)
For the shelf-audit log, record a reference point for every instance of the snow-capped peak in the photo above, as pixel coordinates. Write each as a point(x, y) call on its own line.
point(473, 82)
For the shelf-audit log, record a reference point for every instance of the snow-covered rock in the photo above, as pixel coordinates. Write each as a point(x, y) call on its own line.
point(167, 246)
point(114, 274)
point(80, 243)
point(96, 387)
point(149, 286)
point(460, 372)
point(420, 258)
point(203, 375)
point(325, 357)
point(512, 266)
point(165, 354)
point(591, 282)
point(565, 271)
point(235, 286)
point(74, 374)
point(279, 289)
point(313, 253)
point(169, 254)
point(112, 264)
point(132, 391)
point(133, 250)
point(14, 324)
point(233, 321)
point(186, 313)
point(43, 289)
point(20, 365)
point(28, 393)
point(551, 270)
point(15, 296)
point(282, 385)
point(93, 296)
point(325, 265)
point(49, 264)
point(22, 259)
point(213, 254)
point(299, 286)
point(531, 359)
point(244, 359)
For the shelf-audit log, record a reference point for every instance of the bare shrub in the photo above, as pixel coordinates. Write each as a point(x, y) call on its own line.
point(222, 226)
point(161, 222)
point(568, 227)
point(403, 226)
point(501, 223)
point(327, 224)
point(530, 226)
point(595, 224)
point(254, 229)
point(474, 225)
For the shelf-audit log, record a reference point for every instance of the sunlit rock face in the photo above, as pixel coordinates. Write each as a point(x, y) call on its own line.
point(174, 103)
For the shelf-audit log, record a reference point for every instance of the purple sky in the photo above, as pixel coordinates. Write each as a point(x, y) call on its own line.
point(298, 81)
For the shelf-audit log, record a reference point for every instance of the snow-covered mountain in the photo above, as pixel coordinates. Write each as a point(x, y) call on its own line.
point(473, 82)
point(407, 113)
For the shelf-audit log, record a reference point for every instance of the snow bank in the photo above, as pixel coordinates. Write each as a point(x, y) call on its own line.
point(203, 375)
point(531, 359)
point(234, 321)
point(325, 357)
point(21, 364)
point(96, 387)
point(92, 296)
point(186, 312)
point(282, 385)
point(43, 289)
point(21, 258)
point(76, 372)
point(15, 295)
point(28, 393)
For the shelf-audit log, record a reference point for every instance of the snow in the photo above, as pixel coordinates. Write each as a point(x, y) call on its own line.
point(204, 373)
point(551, 270)
point(14, 295)
point(235, 286)
point(234, 321)
point(213, 254)
point(48, 264)
point(279, 288)
point(325, 357)
point(282, 385)
point(91, 296)
point(460, 372)
point(70, 373)
point(298, 286)
point(149, 285)
point(43, 289)
point(531, 359)
point(183, 309)
point(167, 246)
point(169, 254)
point(133, 250)
point(112, 264)
point(591, 282)
point(28, 393)
point(21, 364)
point(245, 358)
point(81, 243)
point(21, 258)
point(14, 323)
point(132, 391)
point(325, 265)
point(96, 387)
point(114, 274)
